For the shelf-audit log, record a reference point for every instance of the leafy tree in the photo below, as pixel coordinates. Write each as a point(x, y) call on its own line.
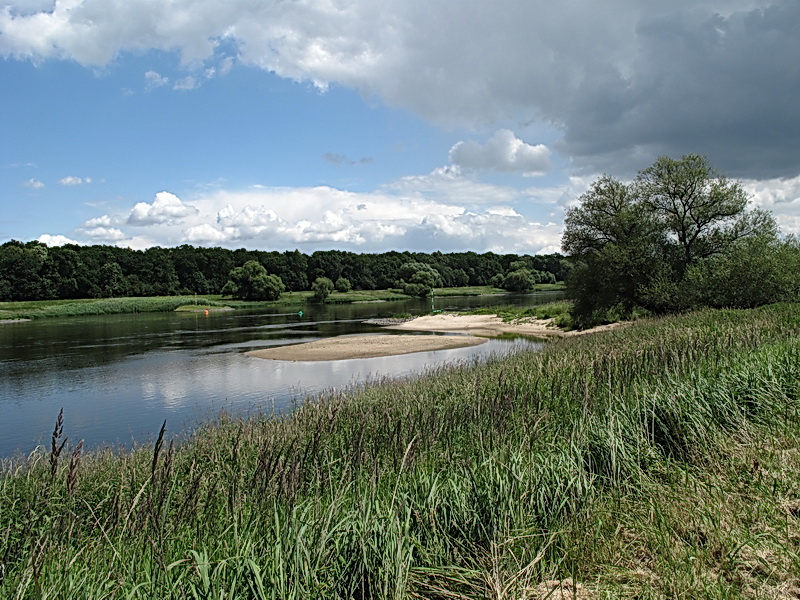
point(417, 279)
point(157, 272)
point(608, 213)
point(295, 273)
point(343, 285)
point(520, 280)
point(112, 280)
point(460, 278)
point(252, 282)
point(702, 211)
point(229, 289)
point(616, 242)
point(755, 271)
point(652, 243)
point(21, 266)
point(63, 269)
point(322, 288)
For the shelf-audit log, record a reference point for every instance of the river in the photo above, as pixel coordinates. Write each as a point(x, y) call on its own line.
point(118, 377)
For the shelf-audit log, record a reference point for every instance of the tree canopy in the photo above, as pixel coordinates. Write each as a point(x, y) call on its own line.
point(662, 242)
point(252, 282)
point(322, 288)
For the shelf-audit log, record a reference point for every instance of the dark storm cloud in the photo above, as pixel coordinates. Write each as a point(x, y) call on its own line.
point(725, 87)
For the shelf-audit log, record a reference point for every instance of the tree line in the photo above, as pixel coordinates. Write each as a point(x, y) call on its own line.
point(34, 271)
point(680, 236)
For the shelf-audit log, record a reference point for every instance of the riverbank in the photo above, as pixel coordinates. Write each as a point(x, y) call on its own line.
point(660, 460)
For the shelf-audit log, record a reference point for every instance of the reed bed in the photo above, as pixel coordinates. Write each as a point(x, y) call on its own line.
point(659, 460)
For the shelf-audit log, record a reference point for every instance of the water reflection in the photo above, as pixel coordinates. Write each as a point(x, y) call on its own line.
point(118, 377)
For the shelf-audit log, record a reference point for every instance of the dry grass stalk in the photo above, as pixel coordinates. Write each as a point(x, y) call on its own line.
point(56, 443)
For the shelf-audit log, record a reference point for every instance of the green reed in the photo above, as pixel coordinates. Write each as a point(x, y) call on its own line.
point(656, 460)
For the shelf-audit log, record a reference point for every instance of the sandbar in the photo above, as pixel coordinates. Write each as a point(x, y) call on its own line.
point(345, 347)
point(484, 325)
point(474, 330)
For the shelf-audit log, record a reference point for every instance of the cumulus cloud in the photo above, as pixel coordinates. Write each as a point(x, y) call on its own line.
point(399, 217)
point(103, 230)
point(154, 80)
point(34, 184)
point(56, 240)
point(779, 196)
point(167, 208)
point(104, 235)
point(503, 152)
point(102, 221)
point(72, 180)
point(621, 82)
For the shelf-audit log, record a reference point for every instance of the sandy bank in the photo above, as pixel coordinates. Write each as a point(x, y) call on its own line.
point(476, 327)
point(366, 346)
point(490, 325)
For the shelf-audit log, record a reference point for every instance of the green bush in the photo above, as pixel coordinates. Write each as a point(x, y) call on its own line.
point(322, 288)
point(343, 285)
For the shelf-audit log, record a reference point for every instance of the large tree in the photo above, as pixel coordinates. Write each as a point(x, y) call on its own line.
point(648, 244)
point(252, 282)
point(703, 211)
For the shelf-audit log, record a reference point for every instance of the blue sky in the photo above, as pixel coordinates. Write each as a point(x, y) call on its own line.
point(350, 124)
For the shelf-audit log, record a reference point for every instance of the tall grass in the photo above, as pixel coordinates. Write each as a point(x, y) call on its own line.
point(656, 461)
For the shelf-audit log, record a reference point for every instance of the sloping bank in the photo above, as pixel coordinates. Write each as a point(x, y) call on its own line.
point(659, 460)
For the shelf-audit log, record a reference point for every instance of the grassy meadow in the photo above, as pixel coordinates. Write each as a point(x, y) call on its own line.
point(657, 460)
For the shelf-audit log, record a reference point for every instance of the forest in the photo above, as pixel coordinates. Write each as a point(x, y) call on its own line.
point(34, 271)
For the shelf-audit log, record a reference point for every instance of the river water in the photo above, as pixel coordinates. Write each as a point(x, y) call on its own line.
point(119, 377)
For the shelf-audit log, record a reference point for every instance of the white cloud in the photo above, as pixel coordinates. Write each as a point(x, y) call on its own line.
point(56, 240)
point(505, 152)
point(104, 234)
point(103, 221)
point(187, 83)
point(34, 184)
point(153, 80)
point(402, 216)
point(72, 181)
point(167, 208)
point(781, 197)
point(206, 235)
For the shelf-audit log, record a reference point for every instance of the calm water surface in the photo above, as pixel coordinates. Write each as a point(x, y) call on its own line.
point(119, 377)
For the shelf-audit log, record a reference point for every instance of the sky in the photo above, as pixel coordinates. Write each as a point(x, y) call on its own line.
point(452, 125)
